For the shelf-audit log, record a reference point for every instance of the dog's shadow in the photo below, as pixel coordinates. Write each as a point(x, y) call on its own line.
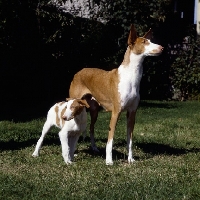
point(17, 145)
point(163, 149)
point(117, 155)
point(150, 149)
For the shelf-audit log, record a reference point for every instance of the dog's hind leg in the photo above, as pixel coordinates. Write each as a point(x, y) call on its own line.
point(45, 130)
point(94, 109)
point(130, 126)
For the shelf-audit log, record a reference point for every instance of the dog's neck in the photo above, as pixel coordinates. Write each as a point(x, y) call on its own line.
point(132, 60)
point(136, 61)
point(132, 63)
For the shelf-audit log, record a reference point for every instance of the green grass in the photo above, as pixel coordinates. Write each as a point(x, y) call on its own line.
point(166, 148)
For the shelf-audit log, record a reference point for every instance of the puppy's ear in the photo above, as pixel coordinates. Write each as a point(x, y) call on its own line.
point(67, 99)
point(132, 35)
point(148, 35)
point(83, 102)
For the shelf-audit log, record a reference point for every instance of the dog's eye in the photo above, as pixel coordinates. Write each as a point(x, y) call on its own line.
point(144, 41)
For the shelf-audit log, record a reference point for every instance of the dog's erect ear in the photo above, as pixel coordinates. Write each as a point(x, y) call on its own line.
point(132, 35)
point(83, 102)
point(68, 99)
point(148, 35)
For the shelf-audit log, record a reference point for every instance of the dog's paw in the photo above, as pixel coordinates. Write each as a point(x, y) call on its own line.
point(109, 162)
point(131, 160)
point(69, 162)
point(35, 155)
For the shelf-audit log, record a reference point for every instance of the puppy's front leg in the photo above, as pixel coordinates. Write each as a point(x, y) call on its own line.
point(65, 147)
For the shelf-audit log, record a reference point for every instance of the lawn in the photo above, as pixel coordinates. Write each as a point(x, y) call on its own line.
point(166, 148)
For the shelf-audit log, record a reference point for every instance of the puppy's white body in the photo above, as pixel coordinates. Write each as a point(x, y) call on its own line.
point(71, 118)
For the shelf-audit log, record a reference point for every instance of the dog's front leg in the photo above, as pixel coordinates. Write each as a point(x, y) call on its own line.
point(113, 122)
point(65, 147)
point(130, 126)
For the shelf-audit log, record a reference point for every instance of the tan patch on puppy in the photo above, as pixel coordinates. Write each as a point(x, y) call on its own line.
point(62, 113)
point(61, 103)
point(57, 116)
point(76, 108)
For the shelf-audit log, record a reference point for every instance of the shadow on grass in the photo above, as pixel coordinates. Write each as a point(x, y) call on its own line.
point(152, 149)
point(159, 149)
point(117, 155)
point(16, 145)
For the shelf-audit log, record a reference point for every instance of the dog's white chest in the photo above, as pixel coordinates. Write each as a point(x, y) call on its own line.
point(128, 87)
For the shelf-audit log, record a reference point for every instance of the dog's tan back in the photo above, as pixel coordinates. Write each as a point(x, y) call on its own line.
point(100, 83)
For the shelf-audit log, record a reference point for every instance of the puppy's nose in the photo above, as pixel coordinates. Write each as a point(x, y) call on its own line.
point(67, 118)
point(64, 117)
point(161, 48)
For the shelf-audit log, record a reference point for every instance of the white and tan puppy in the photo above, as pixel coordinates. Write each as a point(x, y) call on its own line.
point(71, 118)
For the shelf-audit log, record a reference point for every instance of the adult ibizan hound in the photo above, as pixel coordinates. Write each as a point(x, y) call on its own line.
point(116, 90)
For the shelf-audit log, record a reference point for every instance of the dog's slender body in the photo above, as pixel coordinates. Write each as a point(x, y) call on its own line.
point(71, 118)
point(116, 90)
